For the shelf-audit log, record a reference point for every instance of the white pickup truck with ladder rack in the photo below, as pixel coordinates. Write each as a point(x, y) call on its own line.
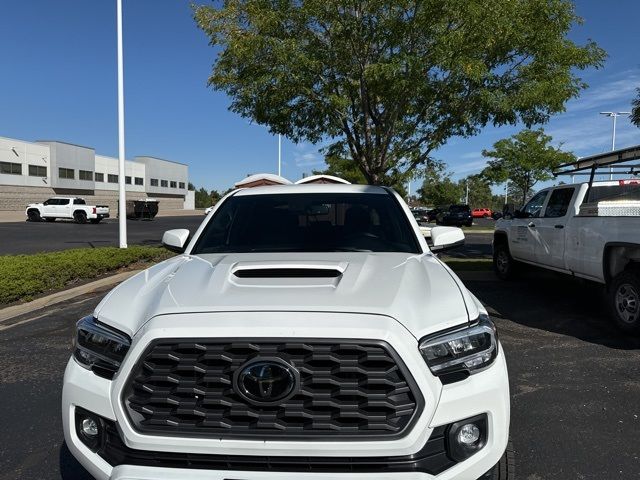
point(589, 230)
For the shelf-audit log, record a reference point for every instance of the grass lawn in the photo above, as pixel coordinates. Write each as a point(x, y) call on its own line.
point(22, 277)
point(467, 264)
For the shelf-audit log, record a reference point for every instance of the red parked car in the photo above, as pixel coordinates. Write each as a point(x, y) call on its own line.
point(481, 212)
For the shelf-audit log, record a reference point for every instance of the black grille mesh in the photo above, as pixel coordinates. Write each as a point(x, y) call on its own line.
point(346, 388)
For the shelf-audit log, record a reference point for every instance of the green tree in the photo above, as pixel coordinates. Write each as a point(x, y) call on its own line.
point(523, 159)
point(390, 81)
point(438, 189)
point(635, 111)
point(480, 195)
point(202, 198)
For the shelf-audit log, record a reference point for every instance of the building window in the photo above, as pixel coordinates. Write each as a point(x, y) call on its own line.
point(112, 178)
point(85, 175)
point(127, 180)
point(174, 184)
point(99, 177)
point(37, 171)
point(154, 182)
point(11, 168)
point(68, 173)
point(139, 181)
point(164, 183)
point(181, 185)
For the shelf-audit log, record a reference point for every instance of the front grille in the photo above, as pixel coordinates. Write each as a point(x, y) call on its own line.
point(347, 389)
point(432, 459)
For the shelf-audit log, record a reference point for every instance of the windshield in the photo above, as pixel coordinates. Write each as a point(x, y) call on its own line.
point(323, 222)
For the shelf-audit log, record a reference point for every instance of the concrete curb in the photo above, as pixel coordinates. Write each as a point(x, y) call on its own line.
point(58, 297)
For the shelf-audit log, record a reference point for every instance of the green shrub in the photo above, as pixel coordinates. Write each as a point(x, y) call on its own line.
point(24, 276)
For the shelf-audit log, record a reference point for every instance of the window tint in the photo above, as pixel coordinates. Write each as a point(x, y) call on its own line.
point(11, 168)
point(320, 222)
point(85, 175)
point(37, 171)
point(559, 203)
point(51, 201)
point(63, 201)
point(534, 207)
point(79, 201)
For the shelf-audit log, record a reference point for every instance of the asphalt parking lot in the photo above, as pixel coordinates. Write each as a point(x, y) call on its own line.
point(574, 383)
point(29, 237)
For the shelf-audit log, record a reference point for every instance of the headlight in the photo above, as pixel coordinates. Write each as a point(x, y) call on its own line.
point(99, 348)
point(463, 351)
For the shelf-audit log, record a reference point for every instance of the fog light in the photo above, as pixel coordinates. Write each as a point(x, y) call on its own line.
point(468, 434)
point(467, 437)
point(89, 427)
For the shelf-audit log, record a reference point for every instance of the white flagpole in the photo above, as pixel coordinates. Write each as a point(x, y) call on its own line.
point(122, 207)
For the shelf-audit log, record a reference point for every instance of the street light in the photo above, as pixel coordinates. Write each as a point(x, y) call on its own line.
point(615, 116)
point(122, 207)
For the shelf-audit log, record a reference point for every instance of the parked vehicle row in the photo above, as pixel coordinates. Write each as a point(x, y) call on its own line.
point(66, 207)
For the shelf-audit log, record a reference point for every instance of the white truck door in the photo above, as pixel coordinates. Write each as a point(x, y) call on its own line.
point(550, 244)
point(49, 208)
point(522, 233)
point(64, 208)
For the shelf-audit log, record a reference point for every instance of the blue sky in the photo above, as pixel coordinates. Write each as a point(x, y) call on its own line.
point(58, 81)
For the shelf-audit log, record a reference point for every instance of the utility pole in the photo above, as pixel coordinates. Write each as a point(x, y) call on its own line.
point(122, 207)
point(279, 155)
point(615, 116)
point(506, 191)
point(466, 202)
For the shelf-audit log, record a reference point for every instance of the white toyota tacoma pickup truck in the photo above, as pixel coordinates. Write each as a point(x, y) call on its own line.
point(304, 332)
point(66, 207)
point(598, 240)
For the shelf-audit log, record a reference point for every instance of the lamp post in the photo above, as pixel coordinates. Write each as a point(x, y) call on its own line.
point(615, 116)
point(122, 207)
point(279, 155)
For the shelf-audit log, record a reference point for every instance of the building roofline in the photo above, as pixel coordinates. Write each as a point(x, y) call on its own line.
point(65, 143)
point(158, 158)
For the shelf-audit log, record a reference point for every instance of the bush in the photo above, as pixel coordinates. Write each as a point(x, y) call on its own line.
point(24, 276)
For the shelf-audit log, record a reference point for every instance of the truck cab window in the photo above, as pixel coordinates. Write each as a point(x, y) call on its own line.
point(559, 203)
point(534, 207)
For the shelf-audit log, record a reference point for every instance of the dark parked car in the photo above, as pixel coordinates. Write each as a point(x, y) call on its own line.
point(421, 215)
point(457, 215)
point(432, 214)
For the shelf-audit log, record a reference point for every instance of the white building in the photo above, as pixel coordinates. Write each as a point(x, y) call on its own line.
point(33, 171)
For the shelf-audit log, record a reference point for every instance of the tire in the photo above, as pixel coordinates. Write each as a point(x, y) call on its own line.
point(80, 217)
point(504, 265)
point(95, 220)
point(505, 469)
point(50, 219)
point(34, 215)
point(624, 301)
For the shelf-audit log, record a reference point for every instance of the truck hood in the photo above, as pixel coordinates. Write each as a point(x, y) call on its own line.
point(418, 291)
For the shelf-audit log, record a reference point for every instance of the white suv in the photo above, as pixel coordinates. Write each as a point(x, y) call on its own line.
point(305, 332)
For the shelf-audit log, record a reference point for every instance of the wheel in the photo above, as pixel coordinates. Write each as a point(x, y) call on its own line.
point(34, 215)
point(505, 469)
point(503, 262)
point(80, 217)
point(624, 300)
point(50, 219)
point(95, 220)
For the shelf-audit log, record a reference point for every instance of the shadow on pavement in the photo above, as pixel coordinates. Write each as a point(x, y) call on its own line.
point(70, 468)
point(555, 303)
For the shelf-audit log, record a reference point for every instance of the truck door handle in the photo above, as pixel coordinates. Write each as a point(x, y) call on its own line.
point(559, 226)
point(532, 225)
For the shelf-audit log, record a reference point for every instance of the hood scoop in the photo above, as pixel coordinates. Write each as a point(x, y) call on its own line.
point(274, 274)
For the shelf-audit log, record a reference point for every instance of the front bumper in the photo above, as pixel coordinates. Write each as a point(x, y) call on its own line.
point(483, 393)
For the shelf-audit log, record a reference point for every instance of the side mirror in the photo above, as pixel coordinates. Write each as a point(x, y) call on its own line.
point(175, 240)
point(446, 238)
